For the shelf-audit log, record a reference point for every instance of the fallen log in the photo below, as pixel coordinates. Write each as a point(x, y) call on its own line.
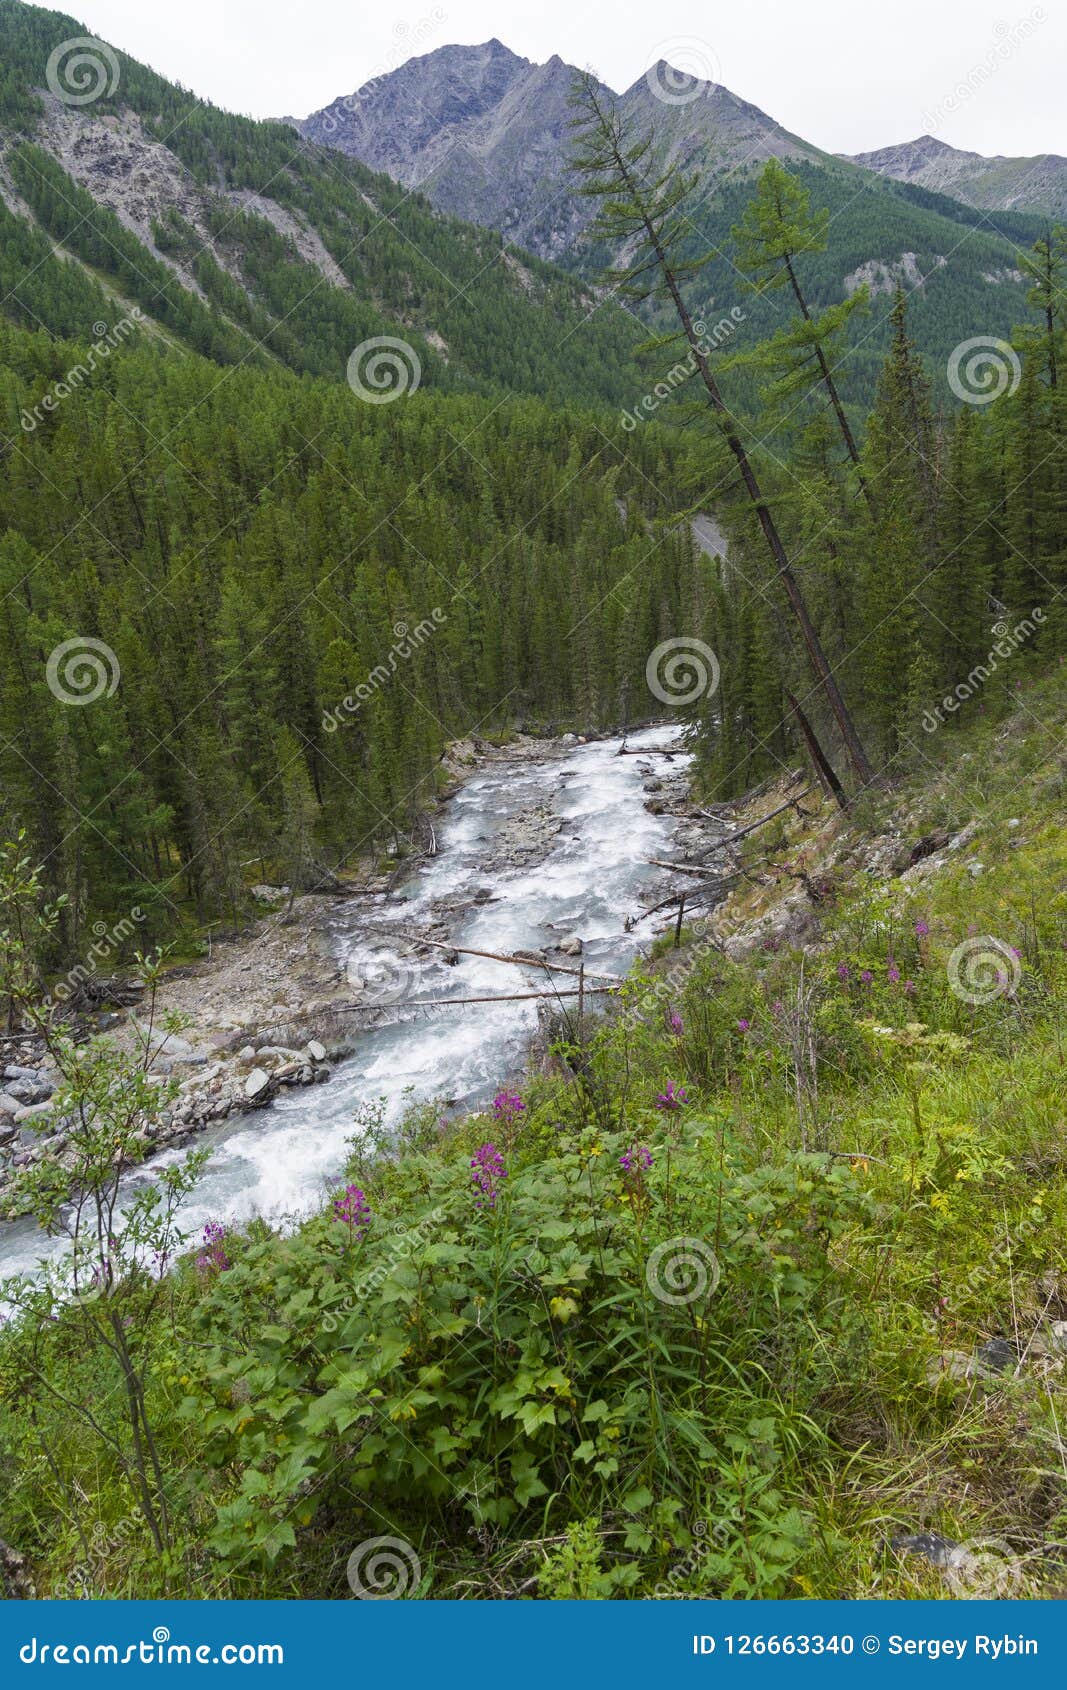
point(496, 956)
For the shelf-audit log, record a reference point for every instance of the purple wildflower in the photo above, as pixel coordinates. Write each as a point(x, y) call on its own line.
point(777, 1007)
point(673, 1098)
point(636, 1160)
point(743, 1026)
point(487, 1173)
point(894, 974)
point(921, 929)
point(352, 1208)
point(866, 977)
point(843, 971)
point(909, 987)
point(213, 1258)
point(506, 1105)
point(674, 1022)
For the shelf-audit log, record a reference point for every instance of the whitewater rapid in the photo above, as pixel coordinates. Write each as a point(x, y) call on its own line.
point(283, 1161)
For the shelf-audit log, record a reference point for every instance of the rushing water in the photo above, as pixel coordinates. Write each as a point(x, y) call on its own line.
point(281, 1161)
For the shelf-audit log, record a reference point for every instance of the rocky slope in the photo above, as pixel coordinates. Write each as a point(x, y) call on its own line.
point(1000, 184)
point(486, 134)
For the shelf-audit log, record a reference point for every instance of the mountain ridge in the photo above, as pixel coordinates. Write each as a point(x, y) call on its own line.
point(988, 182)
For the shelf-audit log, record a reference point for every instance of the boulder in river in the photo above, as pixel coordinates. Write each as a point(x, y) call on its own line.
point(571, 945)
point(257, 1082)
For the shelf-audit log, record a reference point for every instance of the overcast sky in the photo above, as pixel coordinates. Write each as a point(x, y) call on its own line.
point(849, 77)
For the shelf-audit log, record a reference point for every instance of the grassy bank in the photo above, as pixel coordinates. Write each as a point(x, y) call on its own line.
point(765, 1273)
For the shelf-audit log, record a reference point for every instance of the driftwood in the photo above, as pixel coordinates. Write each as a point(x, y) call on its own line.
point(670, 752)
point(529, 961)
point(684, 868)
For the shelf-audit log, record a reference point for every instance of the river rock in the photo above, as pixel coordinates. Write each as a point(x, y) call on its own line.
point(14, 1071)
point(257, 1082)
point(33, 1112)
point(571, 945)
point(8, 1107)
point(35, 1090)
point(315, 1050)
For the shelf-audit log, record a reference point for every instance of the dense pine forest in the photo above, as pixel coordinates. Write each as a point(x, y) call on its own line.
point(246, 604)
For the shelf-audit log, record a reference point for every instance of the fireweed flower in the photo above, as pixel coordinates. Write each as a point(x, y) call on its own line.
point(674, 1021)
point(506, 1105)
point(921, 929)
point(352, 1208)
point(213, 1257)
point(673, 1098)
point(638, 1159)
point(487, 1174)
point(894, 973)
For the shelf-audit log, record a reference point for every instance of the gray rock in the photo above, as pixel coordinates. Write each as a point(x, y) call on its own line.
point(257, 1082)
point(939, 1551)
point(35, 1090)
point(998, 1355)
point(13, 1071)
point(8, 1107)
point(33, 1112)
point(571, 946)
point(315, 1050)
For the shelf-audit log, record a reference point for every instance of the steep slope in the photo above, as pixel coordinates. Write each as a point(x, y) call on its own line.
point(1036, 184)
point(243, 242)
point(487, 134)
